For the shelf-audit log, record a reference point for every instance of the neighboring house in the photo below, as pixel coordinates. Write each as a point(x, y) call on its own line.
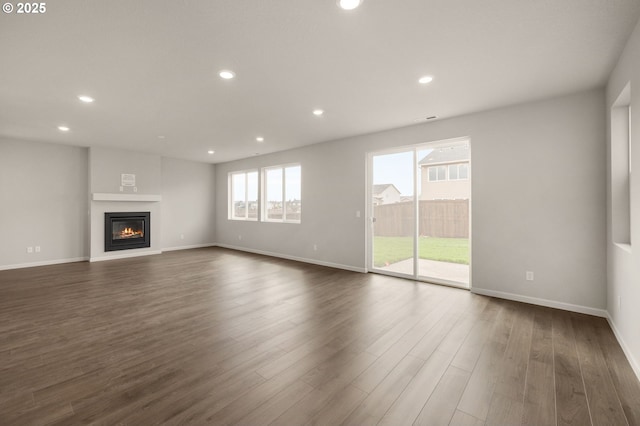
point(385, 193)
point(445, 174)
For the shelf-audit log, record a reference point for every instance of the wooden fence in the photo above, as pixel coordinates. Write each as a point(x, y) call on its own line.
point(438, 218)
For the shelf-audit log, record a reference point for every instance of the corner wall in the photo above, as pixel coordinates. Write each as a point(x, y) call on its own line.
point(183, 219)
point(623, 269)
point(188, 204)
point(43, 202)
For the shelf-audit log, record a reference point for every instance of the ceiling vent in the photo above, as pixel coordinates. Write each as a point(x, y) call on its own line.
point(431, 117)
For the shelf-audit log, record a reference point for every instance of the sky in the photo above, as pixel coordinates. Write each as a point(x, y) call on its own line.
point(397, 169)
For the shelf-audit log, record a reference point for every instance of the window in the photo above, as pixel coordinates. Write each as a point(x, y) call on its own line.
point(459, 171)
point(437, 173)
point(621, 168)
point(463, 171)
point(243, 195)
point(453, 172)
point(282, 195)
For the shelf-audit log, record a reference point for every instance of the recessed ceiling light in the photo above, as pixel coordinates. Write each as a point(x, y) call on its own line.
point(211, 152)
point(349, 4)
point(425, 80)
point(161, 137)
point(63, 128)
point(226, 74)
point(86, 99)
point(318, 112)
point(260, 139)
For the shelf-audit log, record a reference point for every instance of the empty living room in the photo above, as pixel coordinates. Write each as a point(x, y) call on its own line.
point(327, 212)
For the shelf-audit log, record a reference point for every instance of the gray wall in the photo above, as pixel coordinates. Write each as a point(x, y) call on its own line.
point(107, 165)
point(188, 204)
point(538, 199)
point(333, 189)
point(624, 266)
point(43, 202)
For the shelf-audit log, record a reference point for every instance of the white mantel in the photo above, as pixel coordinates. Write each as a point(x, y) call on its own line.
point(102, 196)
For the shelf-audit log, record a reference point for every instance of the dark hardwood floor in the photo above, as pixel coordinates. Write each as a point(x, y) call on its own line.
point(224, 337)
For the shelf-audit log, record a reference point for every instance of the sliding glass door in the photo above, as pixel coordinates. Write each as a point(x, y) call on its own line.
point(420, 212)
point(393, 217)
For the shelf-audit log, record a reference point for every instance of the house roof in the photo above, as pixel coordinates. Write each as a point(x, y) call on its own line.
point(379, 189)
point(449, 154)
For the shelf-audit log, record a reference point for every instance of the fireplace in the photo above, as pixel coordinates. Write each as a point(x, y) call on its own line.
point(127, 230)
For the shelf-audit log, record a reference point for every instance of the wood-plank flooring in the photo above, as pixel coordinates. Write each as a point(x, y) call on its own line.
point(214, 336)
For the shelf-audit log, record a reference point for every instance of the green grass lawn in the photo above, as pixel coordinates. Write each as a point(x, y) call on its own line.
point(388, 250)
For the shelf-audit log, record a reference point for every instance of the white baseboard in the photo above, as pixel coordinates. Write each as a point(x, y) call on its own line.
point(195, 246)
point(43, 263)
point(124, 256)
point(542, 302)
point(297, 259)
point(627, 352)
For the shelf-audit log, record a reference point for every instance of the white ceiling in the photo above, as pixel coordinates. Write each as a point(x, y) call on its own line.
point(152, 66)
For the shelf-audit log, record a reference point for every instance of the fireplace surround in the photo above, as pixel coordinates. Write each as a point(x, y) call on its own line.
point(127, 230)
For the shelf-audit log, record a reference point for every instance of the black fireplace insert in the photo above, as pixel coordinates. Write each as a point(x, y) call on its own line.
point(127, 230)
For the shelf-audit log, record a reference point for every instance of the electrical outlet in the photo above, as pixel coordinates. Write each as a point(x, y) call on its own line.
point(315, 247)
point(182, 236)
point(357, 213)
point(29, 249)
point(240, 237)
point(121, 189)
point(529, 275)
point(37, 249)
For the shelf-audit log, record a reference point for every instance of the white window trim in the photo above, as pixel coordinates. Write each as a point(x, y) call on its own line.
point(458, 167)
point(435, 166)
point(230, 201)
point(620, 169)
point(449, 167)
point(263, 193)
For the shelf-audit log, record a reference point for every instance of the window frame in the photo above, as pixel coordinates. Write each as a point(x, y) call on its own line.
point(621, 120)
point(231, 200)
point(264, 193)
point(436, 166)
point(457, 167)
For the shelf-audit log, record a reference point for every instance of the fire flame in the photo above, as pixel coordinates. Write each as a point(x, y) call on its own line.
point(129, 232)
